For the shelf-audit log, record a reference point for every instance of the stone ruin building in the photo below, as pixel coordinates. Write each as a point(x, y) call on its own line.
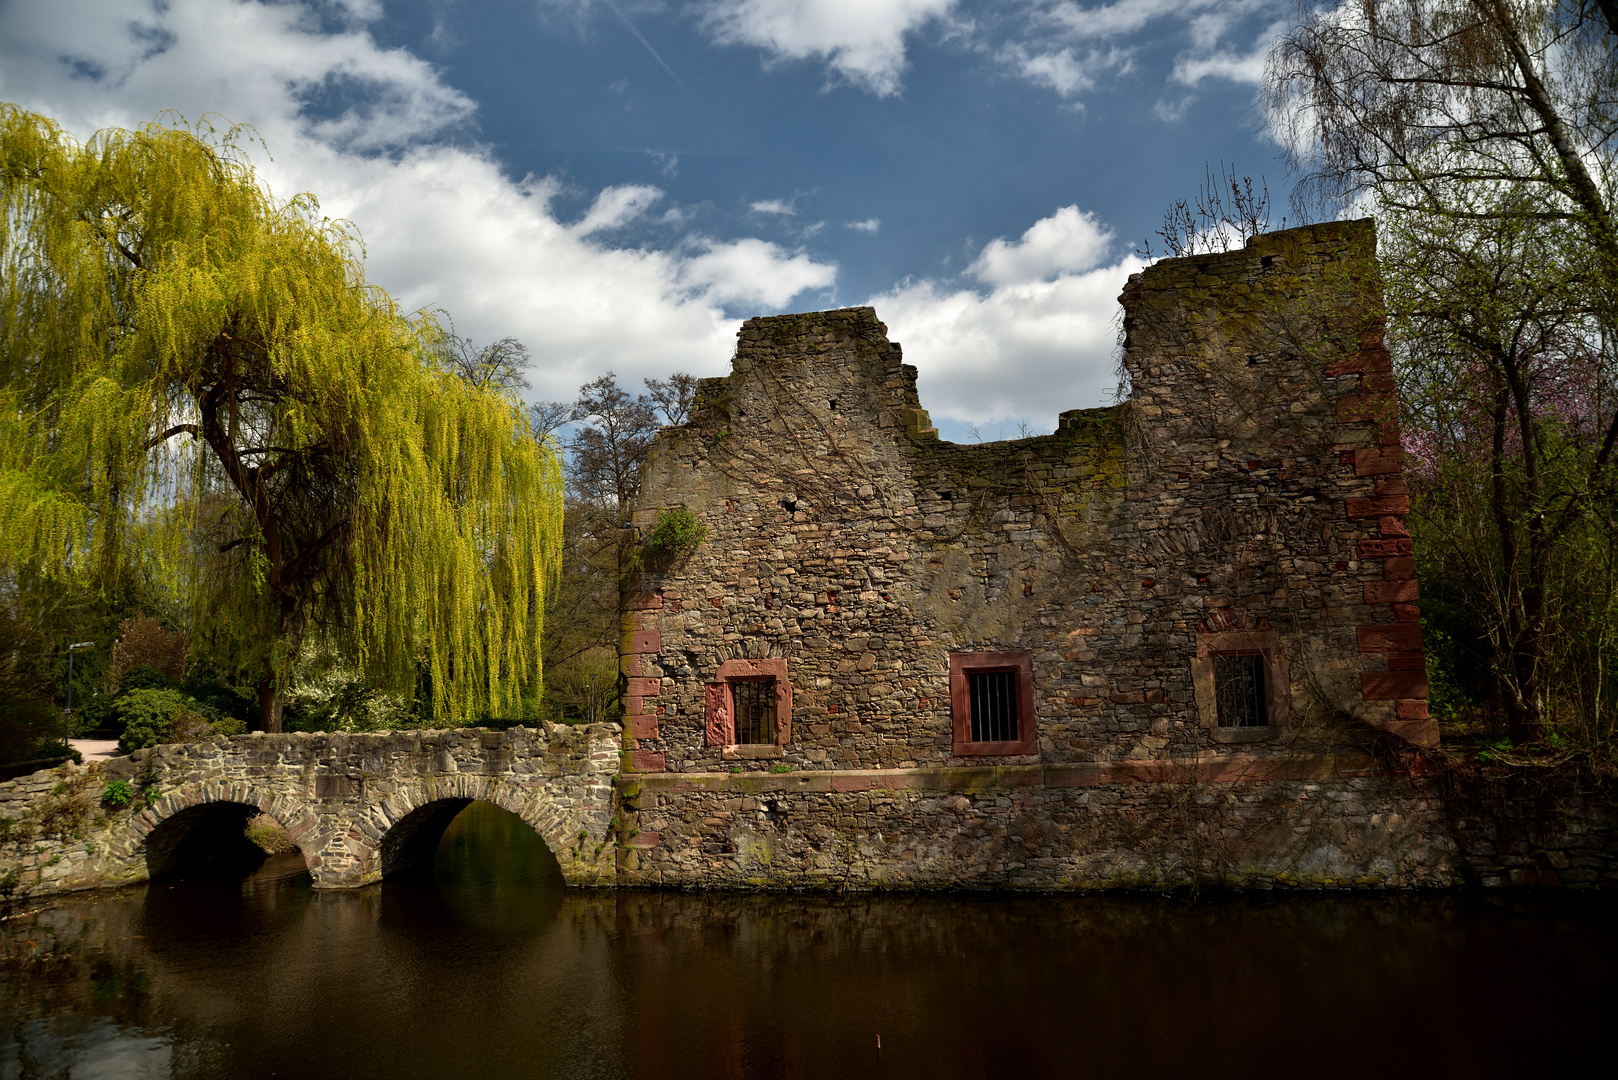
point(1176, 641)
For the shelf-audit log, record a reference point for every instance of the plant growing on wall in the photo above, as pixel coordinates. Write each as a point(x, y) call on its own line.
point(117, 795)
point(676, 534)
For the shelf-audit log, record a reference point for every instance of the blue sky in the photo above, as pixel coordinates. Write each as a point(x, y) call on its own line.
point(618, 183)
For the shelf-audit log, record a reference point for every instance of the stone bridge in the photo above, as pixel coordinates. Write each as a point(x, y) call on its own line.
point(359, 807)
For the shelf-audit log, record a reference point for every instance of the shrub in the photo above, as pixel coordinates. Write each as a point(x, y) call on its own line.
point(229, 726)
point(159, 716)
point(677, 533)
point(24, 724)
point(143, 643)
point(53, 748)
point(330, 697)
point(144, 677)
point(93, 714)
point(117, 795)
point(219, 699)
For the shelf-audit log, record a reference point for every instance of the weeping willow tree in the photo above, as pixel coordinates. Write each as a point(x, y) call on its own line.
point(197, 375)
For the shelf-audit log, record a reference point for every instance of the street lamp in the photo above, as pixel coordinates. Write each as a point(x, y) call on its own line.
point(67, 718)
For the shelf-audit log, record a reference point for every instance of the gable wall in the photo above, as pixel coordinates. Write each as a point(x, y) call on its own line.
point(1238, 489)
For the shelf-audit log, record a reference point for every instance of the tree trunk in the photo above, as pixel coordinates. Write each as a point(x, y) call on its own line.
point(1526, 721)
point(269, 704)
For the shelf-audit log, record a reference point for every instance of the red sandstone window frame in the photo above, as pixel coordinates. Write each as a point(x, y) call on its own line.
point(719, 708)
point(1277, 682)
point(960, 705)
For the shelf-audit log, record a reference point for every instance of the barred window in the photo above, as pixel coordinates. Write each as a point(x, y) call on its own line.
point(754, 702)
point(1239, 686)
point(747, 709)
point(1242, 685)
point(994, 705)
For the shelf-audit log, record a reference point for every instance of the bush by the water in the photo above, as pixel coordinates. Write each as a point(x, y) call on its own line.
point(159, 716)
point(268, 835)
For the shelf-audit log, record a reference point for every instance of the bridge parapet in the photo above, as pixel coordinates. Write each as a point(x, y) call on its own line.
point(359, 806)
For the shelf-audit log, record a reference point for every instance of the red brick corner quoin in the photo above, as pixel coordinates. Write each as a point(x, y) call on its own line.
point(1404, 680)
point(638, 647)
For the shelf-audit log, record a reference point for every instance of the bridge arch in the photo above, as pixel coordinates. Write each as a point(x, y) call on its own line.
point(200, 824)
point(404, 828)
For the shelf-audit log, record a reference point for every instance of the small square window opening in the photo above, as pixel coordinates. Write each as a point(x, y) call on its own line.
point(993, 696)
point(992, 704)
point(1242, 685)
point(754, 703)
point(1239, 686)
point(747, 709)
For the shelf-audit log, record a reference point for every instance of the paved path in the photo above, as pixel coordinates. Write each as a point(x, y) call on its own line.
point(95, 749)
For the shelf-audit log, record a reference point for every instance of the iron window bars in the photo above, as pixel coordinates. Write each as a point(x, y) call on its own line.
point(992, 704)
point(753, 701)
point(1239, 687)
point(993, 695)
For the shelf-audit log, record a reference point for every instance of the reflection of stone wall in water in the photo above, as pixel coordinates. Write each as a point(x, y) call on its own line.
point(391, 982)
point(1247, 499)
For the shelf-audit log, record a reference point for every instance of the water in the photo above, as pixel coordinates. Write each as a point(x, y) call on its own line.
point(492, 970)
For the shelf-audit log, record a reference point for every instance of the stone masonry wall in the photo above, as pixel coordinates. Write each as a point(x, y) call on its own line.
point(342, 798)
point(1246, 486)
point(1533, 827)
point(1248, 497)
point(1318, 821)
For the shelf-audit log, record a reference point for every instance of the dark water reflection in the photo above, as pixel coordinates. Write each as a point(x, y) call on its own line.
point(492, 970)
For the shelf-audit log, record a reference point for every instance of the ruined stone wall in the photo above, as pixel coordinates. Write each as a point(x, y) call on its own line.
point(1248, 497)
point(1249, 486)
point(1266, 482)
point(844, 538)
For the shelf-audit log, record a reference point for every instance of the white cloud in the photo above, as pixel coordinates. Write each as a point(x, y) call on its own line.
point(1064, 70)
point(1112, 20)
point(1059, 70)
point(869, 225)
point(752, 271)
point(616, 207)
point(1208, 61)
point(1031, 347)
point(863, 41)
point(443, 226)
point(1046, 56)
point(1069, 240)
point(773, 206)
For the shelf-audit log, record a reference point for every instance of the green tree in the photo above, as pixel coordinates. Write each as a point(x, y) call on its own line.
point(1482, 135)
point(612, 432)
point(1423, 102)
point(197, 375)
